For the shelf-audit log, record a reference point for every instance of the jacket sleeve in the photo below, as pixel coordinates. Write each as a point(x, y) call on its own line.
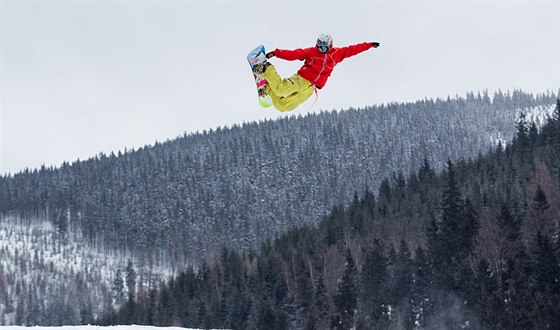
point(292, 55)
point(349, 51)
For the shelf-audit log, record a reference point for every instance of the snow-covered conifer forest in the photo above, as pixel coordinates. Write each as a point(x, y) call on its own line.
point(67, 233)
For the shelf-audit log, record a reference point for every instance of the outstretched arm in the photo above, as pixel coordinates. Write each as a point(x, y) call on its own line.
point(349, 51)
point(290, 55)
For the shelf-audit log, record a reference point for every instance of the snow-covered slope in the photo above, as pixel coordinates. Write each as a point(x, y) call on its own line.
point(537, 115)
point(90, 327)
point(36, 264)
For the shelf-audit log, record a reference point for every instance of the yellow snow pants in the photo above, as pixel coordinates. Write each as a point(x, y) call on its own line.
point(286, 93)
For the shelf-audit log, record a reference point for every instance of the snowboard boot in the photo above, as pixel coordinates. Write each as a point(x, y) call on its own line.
point(260, 68)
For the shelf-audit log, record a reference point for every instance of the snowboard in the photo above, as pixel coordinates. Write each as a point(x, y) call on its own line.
point(256, 57)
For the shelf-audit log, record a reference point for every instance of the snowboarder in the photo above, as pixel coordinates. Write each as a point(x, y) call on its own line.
point(319, 63)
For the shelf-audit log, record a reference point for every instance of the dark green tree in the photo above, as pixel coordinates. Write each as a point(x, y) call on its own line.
point(402, 275)
point(445, 235)
point(510, 225)
point(552, 129)
point(488, 301)
point(130, 280)
point(345, 298)
point(510, 231)
point(373, 283)
point(118, 288)
point(304, 286)
point(517, 295)
point(368, 209)
point(545, 265)
point(422, 286)
point(321, 303)
point(540, 202)
point(469, 227)
point(426, 173)
point(384, 198)
point(401, 283)
point(546, 274)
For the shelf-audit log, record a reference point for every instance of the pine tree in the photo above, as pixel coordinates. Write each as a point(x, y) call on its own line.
point(469, 227)
point(384, 199)
point(269, 318)
point(510, 233)
point(545, 265)
point(538, 217)
point(510, 225)
point(522, 130)
point(402, 281)
point(426, 173)
point(551, 130)
point(321, 303)
point(540, 203)
point(522, 145)
point(130, 281)
point(356, 216)
point(368, 211)
point(517, 295)
point(421, 288)
point(488, 302)
point(304, 287)
point(546, 272)
point(402, 274)
point(445, 235)
point(118, 288)
point(345, 298)
point(373, 284)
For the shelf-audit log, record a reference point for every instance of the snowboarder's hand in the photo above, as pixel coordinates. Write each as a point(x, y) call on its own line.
point(269, 55)
point(375, 44)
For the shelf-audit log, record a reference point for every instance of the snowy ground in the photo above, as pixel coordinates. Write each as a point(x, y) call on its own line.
point(92, 327)
point(538, 115)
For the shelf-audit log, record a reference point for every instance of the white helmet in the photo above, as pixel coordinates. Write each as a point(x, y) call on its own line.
point(324, 43)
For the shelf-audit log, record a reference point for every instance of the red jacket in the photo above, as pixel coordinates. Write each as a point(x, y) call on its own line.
point(318, 66)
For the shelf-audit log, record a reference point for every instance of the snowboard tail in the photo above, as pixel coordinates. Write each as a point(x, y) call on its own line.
point(255, 58)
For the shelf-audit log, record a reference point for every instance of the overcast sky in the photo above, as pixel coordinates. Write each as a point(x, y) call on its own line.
point(83, 77)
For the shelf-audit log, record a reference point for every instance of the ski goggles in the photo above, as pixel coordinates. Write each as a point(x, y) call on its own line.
point(322, 48)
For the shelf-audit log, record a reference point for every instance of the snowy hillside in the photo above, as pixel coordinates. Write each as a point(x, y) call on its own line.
point(89, 327)
point(537, 115)
point(37, 265)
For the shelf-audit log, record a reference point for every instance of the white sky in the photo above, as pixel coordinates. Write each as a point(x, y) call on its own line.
point(83, 77)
